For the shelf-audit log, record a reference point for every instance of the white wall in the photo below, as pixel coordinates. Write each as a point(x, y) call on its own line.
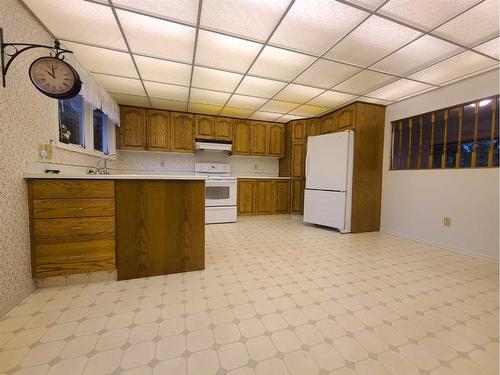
point(414, 203)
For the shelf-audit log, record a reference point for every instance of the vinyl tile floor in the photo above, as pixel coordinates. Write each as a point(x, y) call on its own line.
point(277, 297)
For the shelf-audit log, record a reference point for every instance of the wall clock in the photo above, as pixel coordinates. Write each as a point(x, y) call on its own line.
point(55, 78)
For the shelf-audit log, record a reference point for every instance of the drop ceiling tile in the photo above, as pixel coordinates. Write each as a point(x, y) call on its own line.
point(251, 19)
point(363, 82)
point(279, 107)
point(425, 14)
point(417, 93)
point(265, 116)
point(208, 97)
point(81, 22)
point(465, 64)
point(298, 93)
point(398, 89)
point(236, 112)
point(369, 42)
point(420, 53)
point(245, 102)
point(474, 26)
point(132, 100)
point(308, 110)
point(155, 37)
point(165, 91)
point(171, 105)
point(225, 52)
point(218, 80)
point(309, 25)
point(101, 60)
point(152, 69)
point(120, 85)
point(374, 100)
point(369, 4)
point(325, 74)
point(331, 99)
point(254, 86)
point(185, 10)
point(204, 108)
point(286, 118)
point(490, 48)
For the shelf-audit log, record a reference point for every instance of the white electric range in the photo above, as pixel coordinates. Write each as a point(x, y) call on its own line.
point(220, 192)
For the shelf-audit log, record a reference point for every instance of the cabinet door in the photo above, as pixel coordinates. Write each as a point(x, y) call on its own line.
point(264, 197)
point(329, 124)
point(158, 131)
point(299, 131)
point(259, 138)
point(277, 140)
point(182, 132)
point(133, 128)
point(298, 159)
point(204, 126)
point(246, 189)
point(297, 195)
point(241, 137)
point(281, 196)
point(346, 117)
point(313, 127)
point(223, 128)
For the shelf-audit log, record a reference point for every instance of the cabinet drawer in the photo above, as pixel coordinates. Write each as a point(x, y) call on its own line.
point(66, 265)
point(72, 189)
point(64, 208)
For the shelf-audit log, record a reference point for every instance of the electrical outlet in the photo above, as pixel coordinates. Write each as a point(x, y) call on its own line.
point(50, 151)
point(162, 164)
point(255, 167)
point(447, 221)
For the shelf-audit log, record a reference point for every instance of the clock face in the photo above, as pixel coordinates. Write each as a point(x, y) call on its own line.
point(54, 77)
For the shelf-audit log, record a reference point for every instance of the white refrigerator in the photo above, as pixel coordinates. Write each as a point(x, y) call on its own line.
point(328, 193)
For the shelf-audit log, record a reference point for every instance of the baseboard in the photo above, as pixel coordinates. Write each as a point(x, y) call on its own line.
point(440, 245)
point(17, 299)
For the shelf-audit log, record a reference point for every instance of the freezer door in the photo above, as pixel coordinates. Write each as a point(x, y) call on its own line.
point(327, 161)
point(325, 208)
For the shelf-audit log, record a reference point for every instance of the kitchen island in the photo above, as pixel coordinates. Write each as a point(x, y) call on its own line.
point(144, 225)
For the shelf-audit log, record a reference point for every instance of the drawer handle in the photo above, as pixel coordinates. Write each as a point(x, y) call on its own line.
point(77, 228)
point(77, 256)
point(77, 208)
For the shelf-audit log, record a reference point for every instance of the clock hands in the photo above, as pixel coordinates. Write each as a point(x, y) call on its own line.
point(51, 74)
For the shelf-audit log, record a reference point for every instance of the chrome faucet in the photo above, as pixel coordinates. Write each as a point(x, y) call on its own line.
point(105, 158)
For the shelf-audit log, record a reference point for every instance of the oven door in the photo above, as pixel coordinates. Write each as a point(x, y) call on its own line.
point(220, 193)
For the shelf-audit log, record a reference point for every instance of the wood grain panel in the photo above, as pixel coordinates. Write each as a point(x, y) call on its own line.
point(298, 159)
point(241, 137)
point(259, 138)
point(299, 131)
point(297, 195)
point(281, 196)
point(346, 117)
point(132, 128)
point(66, 188)
point(158, 131)
point(182, 133)
point(264, 197)
point(276, 140)
point(223, 128)
point(246, 197)
point(328, 123)
point(204, 126)
point(61, 208)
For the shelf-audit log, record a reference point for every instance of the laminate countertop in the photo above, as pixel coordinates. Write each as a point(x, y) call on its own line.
point(68, 176)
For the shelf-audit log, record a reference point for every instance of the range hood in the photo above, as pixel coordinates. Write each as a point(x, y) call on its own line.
point(213, 145)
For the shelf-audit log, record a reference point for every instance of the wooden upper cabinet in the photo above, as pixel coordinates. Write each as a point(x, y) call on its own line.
point(132, 128)
point(328, 123)
point(259, 138)
point(246, 203)
point(204, 126)
point(346, 117)
point(182, 132)
point(277, 140)
point(264, 197)
point(158, 131)
point(299, 131)
point(223, 128)
point(281, 196)
point(313, 127)
point(298, 160)
point(241, 137)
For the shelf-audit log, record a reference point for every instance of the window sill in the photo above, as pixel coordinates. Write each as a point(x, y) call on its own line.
point(79, 149)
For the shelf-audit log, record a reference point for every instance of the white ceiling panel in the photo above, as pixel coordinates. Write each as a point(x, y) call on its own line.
point(308, 110)
point(208, 97)
point(313, 26)
point(155, 37)
point(363, 82)
point(185, 10)
point(369, 4)
point(236, 112)
point(280, 64)
point(172, 105)
point(163, 71)
point(278, 106)
point(425, 14)
point(369, 42)
point(253, 19)
point(265, 116)
point(374, 100)
point(490, 48)
point(165, 91)
point(254, 86)
point(298, 93)
point(211, 79)
point(79, 21)
point(245, 102)
point(132, 100)
point(331, 99)
point(325, 74)
point(453, 68)
point(474, 26)
point(120, 85)
point(225, 52)
point(286, 118)
point(101, 60)
point(204, 108)
point(422, 52)
point(398, 89)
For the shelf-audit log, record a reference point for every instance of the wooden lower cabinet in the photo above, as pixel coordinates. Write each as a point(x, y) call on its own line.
point(246, 201)
point(263, 196)
point(282, 196)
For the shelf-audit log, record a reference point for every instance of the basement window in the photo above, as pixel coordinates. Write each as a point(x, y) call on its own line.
point(71, 121)
point(100, 128)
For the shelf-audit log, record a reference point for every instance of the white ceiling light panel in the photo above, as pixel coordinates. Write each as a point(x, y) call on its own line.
point(215, 79)
point(102, 60)
point(80, 21)
point(422, 52)
point(425, 14)
point(331, 99)
point(279, 107)
point(490, 48)
point(265, 116)
point(325, 74)
point(225, 52)
point(363, 82)
point(308, 110)
point(208, 97)
point(165, 91)
point(245, 102)
point(204, 108)
point(155, 37)
point(254, 86)
point(398, 89)
point(286, 118)
point(298, 93)
point(371, 42)
point(184, 11)
point(374, 100)
point(152, 69)
point(120, 85)
point(455, 67)
point(474, 26)
point(369, 4)
point(171, 105)
point(313, 26)
point(132, 100)
point(254, 19)
point(236, 112)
